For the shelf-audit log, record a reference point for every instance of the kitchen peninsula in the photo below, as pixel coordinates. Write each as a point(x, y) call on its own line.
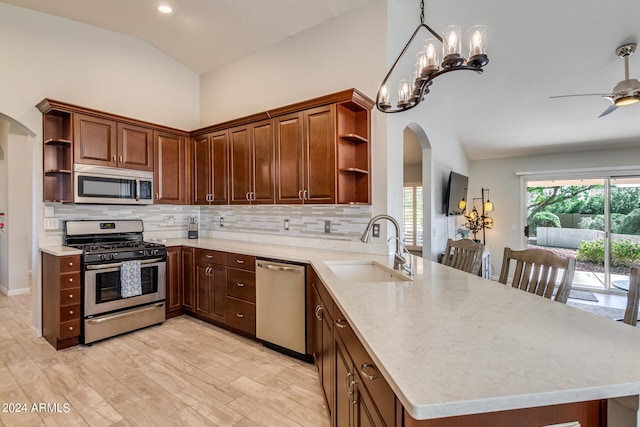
point(451, 344)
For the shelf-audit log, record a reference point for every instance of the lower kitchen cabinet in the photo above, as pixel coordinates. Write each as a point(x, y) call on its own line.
point(188, 284)
point(61, 300)
point(240, 312)
point(173, 303)
point(321, 343)
point(210, 285)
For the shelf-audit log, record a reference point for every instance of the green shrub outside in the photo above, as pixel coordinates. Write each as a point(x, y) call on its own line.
point(631, 223)
point(624, 253)
point(597, 222)
point(543, 219)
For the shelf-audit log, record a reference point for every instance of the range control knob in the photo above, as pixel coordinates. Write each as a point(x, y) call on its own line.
point(113, 255)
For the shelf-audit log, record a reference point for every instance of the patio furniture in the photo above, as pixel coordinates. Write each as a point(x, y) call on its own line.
point(631, 312)
point(537, 272)
point(463, 254)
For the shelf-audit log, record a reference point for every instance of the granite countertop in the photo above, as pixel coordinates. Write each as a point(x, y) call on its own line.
point(451, 343)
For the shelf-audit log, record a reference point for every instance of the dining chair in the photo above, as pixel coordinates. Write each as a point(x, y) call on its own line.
point(631, 312)
point(537, 272)
point(463, 254)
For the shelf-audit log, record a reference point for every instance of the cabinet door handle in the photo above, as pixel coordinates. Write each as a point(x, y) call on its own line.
point(253, 196)
point(340, 323)
point(364, 374)
point(300, 194)
point(157, 196)
point(120, 159)
point(304, 195)
point(240, 285)
point(114, 158)
point(317, 312)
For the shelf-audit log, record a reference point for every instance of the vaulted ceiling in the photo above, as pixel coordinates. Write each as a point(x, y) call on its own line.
point(536, 49)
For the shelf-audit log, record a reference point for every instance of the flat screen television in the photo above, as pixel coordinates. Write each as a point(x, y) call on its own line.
point(456, 191)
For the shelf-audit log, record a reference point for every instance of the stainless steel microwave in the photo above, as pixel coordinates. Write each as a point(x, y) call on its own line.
point(105, 185)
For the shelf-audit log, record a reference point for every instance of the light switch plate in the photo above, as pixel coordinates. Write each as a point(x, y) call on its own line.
point(327, 226)
point(51, 223)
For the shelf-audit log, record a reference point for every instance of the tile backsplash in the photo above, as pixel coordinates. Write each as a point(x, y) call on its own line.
point(265, 223)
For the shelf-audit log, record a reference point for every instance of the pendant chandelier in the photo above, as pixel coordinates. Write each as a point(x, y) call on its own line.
point(428, 66)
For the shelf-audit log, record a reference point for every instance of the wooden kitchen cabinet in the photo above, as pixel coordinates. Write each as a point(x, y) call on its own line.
point(321, 313)
point(173, 301)
point(353, 152)
point(210, 284)
point(61, 300)
point(170, 178)
point(251, 163)
point(363, 397)
point(210, 168)
point(305, 156)
point(103, 141)
point(240, 312)
point(188, 284)
point(57, 154)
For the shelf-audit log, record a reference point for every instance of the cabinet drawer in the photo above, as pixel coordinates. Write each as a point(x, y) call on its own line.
point(240, 315)
point(213, 257)
point(69, 329)
point(69, 263)
point(70, 280)
point(241, 284)
point(70, 296)
point(372, 378)
point(69, 312)
point(246, 262)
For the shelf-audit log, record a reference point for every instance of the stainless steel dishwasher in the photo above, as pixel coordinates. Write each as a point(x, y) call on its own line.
point(280, 305)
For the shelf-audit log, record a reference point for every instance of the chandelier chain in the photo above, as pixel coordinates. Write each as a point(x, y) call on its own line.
point(422, 11)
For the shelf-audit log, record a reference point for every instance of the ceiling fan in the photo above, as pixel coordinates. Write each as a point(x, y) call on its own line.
point(626, 92)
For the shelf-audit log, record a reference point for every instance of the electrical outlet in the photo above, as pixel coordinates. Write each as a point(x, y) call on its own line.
point(221, 222)
point(51, 223)
point(376, 230)
point(171, 220)
point(286, 224)
point(327, 226)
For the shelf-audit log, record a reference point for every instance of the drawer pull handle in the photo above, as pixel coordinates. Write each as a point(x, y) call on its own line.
point(209, 256)
point(340, 323)
point(70, 279)
point(70, 312)
point(240, 315)
point(240, 285)
point(239, 261)
point(71, 328)
point(71, 264)
point(364, 374)
point(70, 296)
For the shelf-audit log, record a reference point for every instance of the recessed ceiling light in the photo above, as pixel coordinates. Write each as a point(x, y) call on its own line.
point(164, 9)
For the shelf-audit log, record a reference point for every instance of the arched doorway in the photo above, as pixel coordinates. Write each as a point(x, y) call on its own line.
point(417, 201)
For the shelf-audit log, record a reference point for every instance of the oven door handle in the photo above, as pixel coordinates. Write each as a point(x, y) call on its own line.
point(115, 316)
point(119, 264)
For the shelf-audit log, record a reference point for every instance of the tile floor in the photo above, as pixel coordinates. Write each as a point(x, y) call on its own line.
point(184, 372)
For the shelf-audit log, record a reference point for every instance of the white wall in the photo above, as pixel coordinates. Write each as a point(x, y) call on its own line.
point(499, 175)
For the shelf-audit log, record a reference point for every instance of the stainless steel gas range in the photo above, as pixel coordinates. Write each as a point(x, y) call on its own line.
point(123, 277)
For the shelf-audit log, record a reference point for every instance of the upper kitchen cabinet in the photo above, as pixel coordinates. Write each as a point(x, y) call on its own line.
point(169, 168)
point(105, 142)
point(305, 156)
point(252, 163)
point(210, 168)
point(57, 153)
point(353, 151)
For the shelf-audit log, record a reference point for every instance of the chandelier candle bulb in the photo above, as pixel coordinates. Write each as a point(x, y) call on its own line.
point(403, 93)
point(383, 100)
point(477, 46)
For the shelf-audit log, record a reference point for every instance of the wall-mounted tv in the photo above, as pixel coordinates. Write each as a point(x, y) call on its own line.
point(456, 191)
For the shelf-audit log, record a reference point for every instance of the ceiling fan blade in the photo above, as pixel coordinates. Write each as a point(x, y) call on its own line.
point(582, 94)
point(610, 109)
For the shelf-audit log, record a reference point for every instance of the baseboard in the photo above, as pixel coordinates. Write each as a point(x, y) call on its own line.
point(15, 292)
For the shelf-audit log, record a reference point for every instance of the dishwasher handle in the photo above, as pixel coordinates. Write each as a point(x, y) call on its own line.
point(278, 267)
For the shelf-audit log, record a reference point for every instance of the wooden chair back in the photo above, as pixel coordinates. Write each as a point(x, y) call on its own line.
point(537, 272)
point(631, 312)
point(463, 254)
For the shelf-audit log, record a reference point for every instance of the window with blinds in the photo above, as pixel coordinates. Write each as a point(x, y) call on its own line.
point(412, 216)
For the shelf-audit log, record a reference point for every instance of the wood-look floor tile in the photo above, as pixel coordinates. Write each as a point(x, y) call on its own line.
point(184, 372)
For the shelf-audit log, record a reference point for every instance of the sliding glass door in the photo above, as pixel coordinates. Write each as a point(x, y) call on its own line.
point(594, 219)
